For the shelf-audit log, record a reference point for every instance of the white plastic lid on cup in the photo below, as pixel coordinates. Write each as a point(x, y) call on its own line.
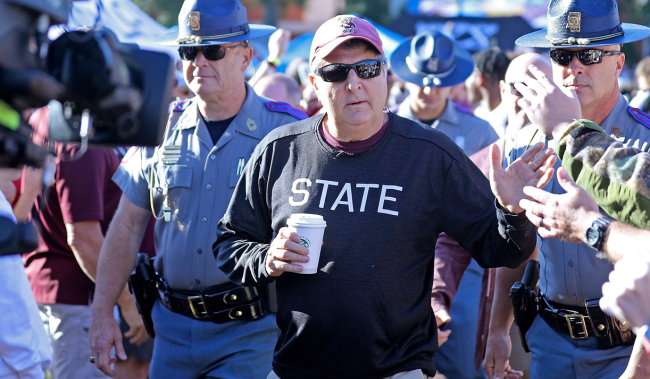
point(306, 220)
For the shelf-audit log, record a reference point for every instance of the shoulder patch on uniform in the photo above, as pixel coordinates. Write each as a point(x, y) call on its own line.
point(640, 116)
point(278, 106)
point(179, 105)
point(129, 154)
point(464, 110)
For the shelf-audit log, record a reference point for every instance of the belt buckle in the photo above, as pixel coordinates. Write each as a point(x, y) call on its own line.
point(579, 320)
point(194, 311)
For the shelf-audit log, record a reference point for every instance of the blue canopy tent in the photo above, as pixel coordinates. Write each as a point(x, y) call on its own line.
point(299, 46)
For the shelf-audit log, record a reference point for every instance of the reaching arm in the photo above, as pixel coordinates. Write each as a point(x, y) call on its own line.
point(612, 173)
point(603, 166)
point(32, 183)
point(623, 239)
point(278, 43)
point(85, 239)
point(116, 262)
point(625, 294)
point(568, 216)
point(450, 263)
point(510, 239)
point(497, 351)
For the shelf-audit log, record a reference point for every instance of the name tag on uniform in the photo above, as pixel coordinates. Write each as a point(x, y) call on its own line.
point(171, 154)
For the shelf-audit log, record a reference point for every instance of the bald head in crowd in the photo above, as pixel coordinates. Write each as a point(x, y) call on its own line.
point(509, 95)
point(519, 66)
point(279, 87)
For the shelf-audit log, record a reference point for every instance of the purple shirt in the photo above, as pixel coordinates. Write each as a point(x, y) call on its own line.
point(354, 147)
point(83, 191)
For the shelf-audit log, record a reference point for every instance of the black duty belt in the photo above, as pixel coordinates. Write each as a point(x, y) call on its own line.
point(570, 320)
point(589, 321)
point(219, 304)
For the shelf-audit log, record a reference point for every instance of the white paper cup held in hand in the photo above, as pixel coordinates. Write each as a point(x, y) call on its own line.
point(311, 228)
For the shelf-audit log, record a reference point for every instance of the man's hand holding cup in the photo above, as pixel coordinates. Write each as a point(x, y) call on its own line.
point(290, 249)
point(285, 252)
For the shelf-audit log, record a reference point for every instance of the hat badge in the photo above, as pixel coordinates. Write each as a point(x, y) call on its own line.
point(573, 22)
point(195, 21)
point(347, 25)
point(432, 64)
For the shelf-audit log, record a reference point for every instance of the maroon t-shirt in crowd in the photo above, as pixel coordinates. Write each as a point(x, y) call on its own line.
point(83, 191)
point(354, 147)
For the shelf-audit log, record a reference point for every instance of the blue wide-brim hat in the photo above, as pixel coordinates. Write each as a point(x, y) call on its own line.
point(212, 22)
point(583, 23)
point(432, 59)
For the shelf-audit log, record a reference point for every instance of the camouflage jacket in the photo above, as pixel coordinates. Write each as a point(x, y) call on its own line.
point(617, 176)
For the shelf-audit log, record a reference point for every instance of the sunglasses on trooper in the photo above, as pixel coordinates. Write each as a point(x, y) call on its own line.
point(586, 57)
point(338, 72)
point(211, 52)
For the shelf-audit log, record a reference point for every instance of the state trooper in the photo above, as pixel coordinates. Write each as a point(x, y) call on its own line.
point(571, 337)
point(205, 326)
point(431, 63)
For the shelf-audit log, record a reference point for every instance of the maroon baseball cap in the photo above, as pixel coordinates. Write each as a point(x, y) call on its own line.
point(339, 29)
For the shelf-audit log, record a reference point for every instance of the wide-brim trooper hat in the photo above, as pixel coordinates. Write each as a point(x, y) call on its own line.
point(212, 22)
point(583, 23)
point(432, 59)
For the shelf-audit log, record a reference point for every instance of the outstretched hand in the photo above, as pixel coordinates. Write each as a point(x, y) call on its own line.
point(625, 295)
point(565, 216)
point(549, 107)
point(278, 43)
point(533, 168)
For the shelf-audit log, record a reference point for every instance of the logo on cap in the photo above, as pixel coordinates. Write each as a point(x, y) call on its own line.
point(573, 22)
point(195, 20)
point(347, 25)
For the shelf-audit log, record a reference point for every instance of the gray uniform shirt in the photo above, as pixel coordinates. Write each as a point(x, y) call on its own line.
point(200, 186)
point(571, 273)
point(468, 131)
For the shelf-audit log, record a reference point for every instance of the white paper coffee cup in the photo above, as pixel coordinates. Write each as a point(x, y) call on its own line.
point(311, 228)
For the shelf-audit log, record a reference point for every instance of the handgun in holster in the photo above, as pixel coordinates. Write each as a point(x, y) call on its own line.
point(142, 285)
point(524, 300)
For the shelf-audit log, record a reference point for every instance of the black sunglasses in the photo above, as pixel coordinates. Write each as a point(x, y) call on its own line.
point(211, 52)
point(586, 57)
point(338, 72)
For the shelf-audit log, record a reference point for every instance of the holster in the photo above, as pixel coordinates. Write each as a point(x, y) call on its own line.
point(524, 301)
point(142, 285)
point(609, 331)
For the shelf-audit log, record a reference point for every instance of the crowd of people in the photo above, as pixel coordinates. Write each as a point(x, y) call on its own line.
point(443, 177)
